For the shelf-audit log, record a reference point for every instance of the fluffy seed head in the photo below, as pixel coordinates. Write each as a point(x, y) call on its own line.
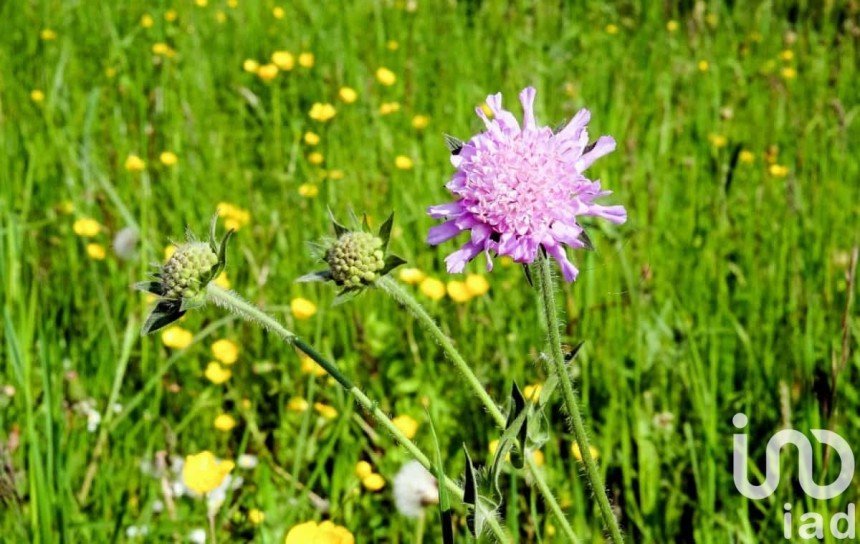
point(187, 271)
point(355, 259)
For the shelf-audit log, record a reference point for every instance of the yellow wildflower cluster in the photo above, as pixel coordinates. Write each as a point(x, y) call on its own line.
point(234, 217)
point(371, 480)
point(202, 473)
point(312, 532)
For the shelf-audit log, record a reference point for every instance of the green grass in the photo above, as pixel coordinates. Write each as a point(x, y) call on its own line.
point(724, 292)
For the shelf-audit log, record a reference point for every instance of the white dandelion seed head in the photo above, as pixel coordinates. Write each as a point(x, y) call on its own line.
point(247, 461)
point(414, 489)
point(197, 536)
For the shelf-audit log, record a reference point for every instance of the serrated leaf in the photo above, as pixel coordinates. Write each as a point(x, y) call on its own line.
point(339, 229)
point(164, 313)
point(470, 496)
point(446, 513)
point(318, 276)
point(345, 296)
point(385, 232)
point(213, 225)
point(455, 145)
point(391, 262)
point(193, 303)
point(153, 287)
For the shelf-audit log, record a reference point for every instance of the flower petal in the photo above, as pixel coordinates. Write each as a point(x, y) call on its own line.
point(456, 261)
point(527, 99)
point(615, 214)
point(441, 211)
point(568, 270)
point(603, 146)
point(442, 233)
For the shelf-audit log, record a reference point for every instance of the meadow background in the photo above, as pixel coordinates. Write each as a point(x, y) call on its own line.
point(726, 291)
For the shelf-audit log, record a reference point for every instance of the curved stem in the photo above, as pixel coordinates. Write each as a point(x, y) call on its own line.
point(547, 292)
point(233, 303)
point(403, 297)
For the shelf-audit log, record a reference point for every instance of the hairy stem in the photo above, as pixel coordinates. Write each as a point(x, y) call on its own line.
point(404, 298)
point(233, 303)
point(547, 293)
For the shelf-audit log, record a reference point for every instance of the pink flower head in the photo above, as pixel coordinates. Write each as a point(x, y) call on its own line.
point(522, 188)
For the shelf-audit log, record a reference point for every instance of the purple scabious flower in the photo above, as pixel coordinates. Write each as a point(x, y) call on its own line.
point(522, 188)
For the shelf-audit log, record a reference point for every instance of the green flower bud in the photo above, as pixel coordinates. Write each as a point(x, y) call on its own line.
point(356, 259)
point(188, 270)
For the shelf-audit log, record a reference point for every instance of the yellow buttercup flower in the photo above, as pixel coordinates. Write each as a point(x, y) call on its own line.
point(283, 60)
point(168, 158)
point(493, 446)
point(335, 174)
point(162, 49)
point(222, 281)
point(402, 162)
point(170, 15)
point(311, 138)
point(234, 216)
point(251, 66)
point(96, 252)
point(169, 250)
point(267, 72)
point(373, 482)
point(201, 3)
point(703, 65)
point(348, 95)
point(477, 285)
point(788, 73)
point(387, 108)
point(532, 392)
point(308, 190)
point(297, 404)
point(574, 450)
point(326, 411)
point(363, 469)
point(176, 337)
point(37, 96)
point(407, 425)
point(778, 170)
point(412, 276)
point(538, 458)
point(256, 516)
point(203, 473)
point(787, 55)
point(302, 308)
point(225, 351)
point(306, 59)
point(309, 366)
point(611, 29)
point(48, 35)
point(216, 373)
point(672, 26)
point(316, 158)
point(324, 533)
point(86, 227)
point(385, 77)
point(220, 17)
point(392, 45)
point(232, 4)
point(420, 122)
point(133, 163)
point(718, 140)
point(278, 12)
point(746, 156)
point(432, 288)
point(224, 423)
point(458, 291)
point(322, 112)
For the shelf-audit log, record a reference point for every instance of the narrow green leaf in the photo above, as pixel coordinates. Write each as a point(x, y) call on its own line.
point(470, 495)
point(445, 510)
point(320, 275)
point(153, 287)
point(339, 229)
point(385, 231)
point(391, 262)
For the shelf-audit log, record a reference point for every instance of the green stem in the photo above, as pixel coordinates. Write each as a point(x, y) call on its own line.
point(547, 292)
point(233, 303)
point(404, 298)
